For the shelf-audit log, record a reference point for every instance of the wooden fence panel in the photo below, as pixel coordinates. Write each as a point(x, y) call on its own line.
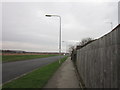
point(99, 62)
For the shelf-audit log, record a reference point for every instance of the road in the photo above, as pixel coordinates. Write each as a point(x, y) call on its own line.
point(12, 70)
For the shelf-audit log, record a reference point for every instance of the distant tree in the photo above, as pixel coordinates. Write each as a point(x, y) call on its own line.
point(84, 42)
point(81, 44)
point(71, 48)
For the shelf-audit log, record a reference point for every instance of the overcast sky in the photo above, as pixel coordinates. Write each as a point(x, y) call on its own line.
point(25, 27)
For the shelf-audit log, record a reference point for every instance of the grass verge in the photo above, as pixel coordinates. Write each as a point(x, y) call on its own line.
point(37, 78)
point(10, 58)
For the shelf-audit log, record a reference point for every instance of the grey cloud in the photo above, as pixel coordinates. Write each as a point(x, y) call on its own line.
point(26, 22)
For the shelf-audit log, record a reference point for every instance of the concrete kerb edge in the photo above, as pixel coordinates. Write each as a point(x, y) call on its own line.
point(22, 75)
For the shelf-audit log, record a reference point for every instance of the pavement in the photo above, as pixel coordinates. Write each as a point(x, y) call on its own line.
point(13, 70)
point(64, 77)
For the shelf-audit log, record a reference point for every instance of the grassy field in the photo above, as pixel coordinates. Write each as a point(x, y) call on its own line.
point(10, 58)
point(37, 78)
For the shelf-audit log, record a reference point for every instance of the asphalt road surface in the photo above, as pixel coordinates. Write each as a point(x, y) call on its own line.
point(12, 70)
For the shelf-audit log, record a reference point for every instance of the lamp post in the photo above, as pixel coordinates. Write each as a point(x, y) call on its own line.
point(110, 24)
point(59, 34)
point(66, 45)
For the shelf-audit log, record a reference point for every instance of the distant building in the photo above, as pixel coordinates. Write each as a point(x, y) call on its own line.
point(119, 12)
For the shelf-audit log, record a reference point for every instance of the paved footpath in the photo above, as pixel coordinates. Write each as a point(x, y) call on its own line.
point(64, 77)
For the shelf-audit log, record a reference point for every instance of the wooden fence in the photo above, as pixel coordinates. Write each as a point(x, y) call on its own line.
point(98, 63)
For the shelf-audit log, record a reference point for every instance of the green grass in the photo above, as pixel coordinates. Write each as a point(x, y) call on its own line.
point(10, 58)
point(37, 78)
point(0, 58)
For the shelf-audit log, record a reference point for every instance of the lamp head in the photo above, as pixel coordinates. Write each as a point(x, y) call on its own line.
point(48, 15)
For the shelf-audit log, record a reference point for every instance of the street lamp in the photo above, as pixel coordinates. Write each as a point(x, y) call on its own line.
point(66, 45)
point(110, 24)
point(59, 33)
